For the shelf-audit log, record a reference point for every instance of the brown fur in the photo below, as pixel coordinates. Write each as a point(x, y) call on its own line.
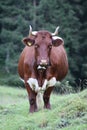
point(29, 59)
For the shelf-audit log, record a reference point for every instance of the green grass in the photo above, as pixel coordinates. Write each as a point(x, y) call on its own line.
point(69, 112)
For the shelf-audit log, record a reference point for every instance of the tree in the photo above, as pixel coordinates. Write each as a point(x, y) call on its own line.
point(70, 15)
point(83, 41)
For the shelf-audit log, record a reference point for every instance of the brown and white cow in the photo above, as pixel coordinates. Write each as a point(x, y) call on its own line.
point(42, 62)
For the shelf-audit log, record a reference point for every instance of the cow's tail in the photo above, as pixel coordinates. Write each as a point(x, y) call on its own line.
point(39, 100)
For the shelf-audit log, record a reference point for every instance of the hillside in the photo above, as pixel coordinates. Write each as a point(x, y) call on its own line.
point(69, 112)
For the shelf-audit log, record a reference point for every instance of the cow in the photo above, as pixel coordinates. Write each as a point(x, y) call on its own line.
point(42, 63)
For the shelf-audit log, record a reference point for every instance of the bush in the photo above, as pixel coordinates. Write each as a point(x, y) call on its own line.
point(63, 88)
point(11, 80)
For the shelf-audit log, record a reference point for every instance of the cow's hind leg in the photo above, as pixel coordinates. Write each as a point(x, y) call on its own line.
point(46, 98)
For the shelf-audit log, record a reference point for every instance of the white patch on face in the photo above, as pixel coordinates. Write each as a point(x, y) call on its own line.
point(33, 84)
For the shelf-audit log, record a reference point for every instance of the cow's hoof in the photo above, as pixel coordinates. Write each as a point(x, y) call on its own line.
point(47, 106)
point(33, 108)
point(31, 111)
point(36, 110)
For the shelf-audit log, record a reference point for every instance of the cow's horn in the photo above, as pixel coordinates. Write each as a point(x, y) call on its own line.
point(56, 32)
point(32, 32)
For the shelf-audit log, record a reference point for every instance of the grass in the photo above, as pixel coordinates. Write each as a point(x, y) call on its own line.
point(69, 112)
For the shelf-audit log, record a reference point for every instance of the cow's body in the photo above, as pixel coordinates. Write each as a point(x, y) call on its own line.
point(41, 73)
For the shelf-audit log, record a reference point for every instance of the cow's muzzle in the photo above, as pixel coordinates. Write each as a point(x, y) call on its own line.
point(43, 65)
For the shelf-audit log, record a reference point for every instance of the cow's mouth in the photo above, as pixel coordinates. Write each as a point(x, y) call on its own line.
point(43, 65)
point(40, 67)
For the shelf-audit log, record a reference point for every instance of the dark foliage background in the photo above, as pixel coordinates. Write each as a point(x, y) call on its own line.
point(17, 15)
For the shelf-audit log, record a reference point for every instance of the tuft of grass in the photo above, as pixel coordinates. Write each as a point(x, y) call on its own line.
point(69, 112)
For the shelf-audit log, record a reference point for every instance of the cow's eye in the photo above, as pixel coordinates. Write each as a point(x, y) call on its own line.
point(36, 45)
point(50, 46)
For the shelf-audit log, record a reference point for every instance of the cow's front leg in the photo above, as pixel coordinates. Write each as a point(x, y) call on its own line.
point(32, 101)
point(46, 98)
point(32, 98)
point(32, 88)
point(48, 85)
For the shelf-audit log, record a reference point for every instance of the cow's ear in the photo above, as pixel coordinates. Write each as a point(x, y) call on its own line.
point(27, 41)
point(57, 41)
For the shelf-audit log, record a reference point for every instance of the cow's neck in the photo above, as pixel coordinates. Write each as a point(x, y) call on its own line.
point(41, 75)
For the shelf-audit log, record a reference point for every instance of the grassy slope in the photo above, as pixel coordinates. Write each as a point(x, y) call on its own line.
point(69, 112)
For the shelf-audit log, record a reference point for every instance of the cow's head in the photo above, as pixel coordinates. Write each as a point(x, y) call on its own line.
point(43, 41)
